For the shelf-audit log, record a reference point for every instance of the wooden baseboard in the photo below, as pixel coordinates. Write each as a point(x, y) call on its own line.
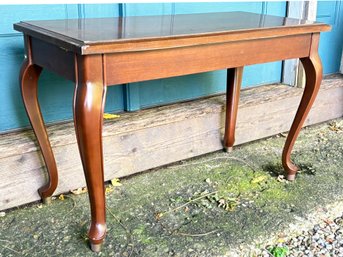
point(150, 138)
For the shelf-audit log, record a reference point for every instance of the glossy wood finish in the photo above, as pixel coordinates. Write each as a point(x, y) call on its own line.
point(29, 75)
point(313, 70)
point(141, 33)
point(96, 53)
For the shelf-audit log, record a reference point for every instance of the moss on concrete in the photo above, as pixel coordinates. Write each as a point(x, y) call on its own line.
point(228, 200)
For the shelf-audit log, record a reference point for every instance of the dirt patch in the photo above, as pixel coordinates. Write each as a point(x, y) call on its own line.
point(215, 205)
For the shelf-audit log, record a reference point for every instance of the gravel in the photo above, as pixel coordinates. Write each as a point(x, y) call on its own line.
point(323, 240)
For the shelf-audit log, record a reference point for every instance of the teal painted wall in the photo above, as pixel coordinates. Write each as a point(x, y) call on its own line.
point(330, 46)
point(55, 93)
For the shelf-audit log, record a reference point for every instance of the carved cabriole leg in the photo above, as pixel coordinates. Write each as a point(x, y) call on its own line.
point(89, 100)
point(233, 87)
point(313, 71)
point(29, 76)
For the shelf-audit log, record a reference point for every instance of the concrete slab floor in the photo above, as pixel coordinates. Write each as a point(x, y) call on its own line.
point(220, 204)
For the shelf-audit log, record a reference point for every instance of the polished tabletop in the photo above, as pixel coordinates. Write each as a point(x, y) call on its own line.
point(135, 28)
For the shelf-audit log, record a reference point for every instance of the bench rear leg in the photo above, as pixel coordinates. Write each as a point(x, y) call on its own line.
point(29, 76)
point(233, 87)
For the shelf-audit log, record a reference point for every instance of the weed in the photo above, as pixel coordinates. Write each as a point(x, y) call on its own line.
point(278, 251)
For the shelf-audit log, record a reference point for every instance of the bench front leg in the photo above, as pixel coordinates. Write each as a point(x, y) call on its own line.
point(313, 72)
point(89, 101)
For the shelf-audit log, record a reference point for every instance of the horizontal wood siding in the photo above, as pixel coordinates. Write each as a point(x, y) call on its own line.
point(146, 139)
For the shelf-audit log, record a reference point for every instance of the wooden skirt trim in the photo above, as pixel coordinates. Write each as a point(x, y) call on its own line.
point(140, 140)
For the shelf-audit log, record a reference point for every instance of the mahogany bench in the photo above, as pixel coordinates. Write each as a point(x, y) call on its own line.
point(96, 53)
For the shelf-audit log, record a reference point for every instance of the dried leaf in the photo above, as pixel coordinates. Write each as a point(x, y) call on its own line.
point(335, 127)
point(109, 189)
point(116, 182)
point(158, 215)
point(79, 191)
point(281, 240)
point(61, 197)
point(110, 116)
point(328, 221)
point(258, 179)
